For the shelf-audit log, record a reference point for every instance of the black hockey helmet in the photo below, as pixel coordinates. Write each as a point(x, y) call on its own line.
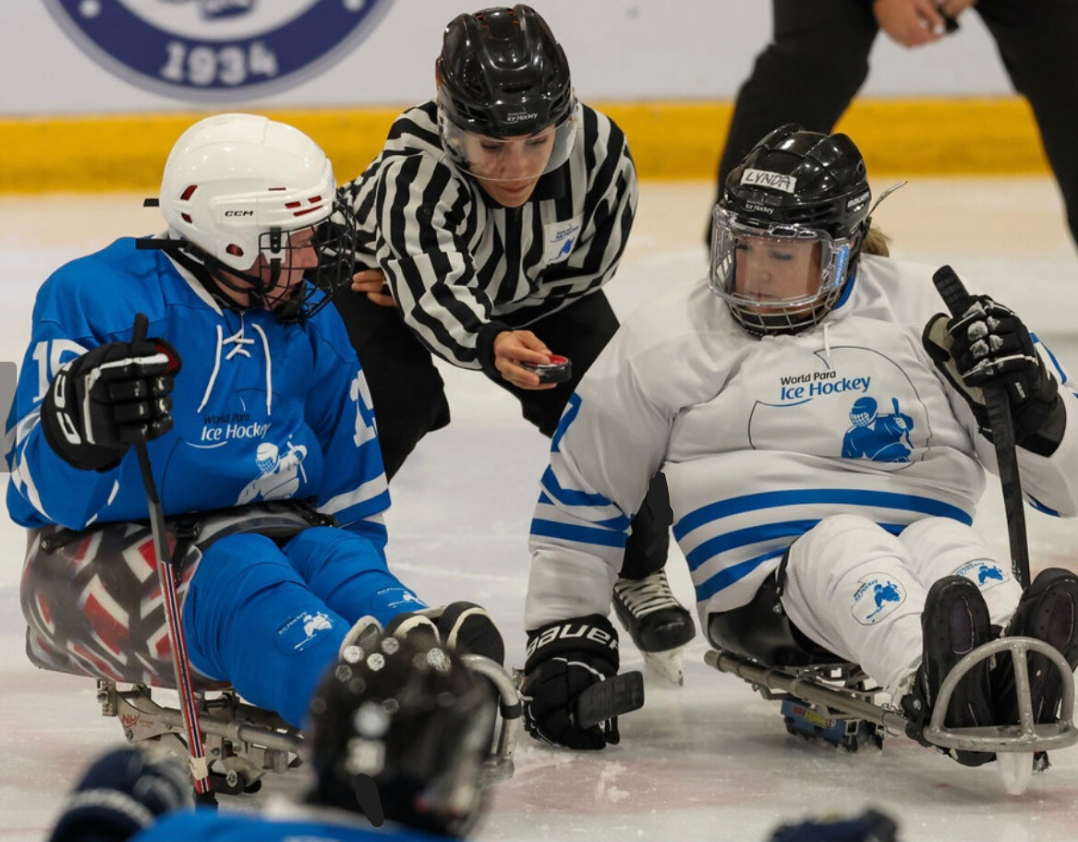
point(502, 72)
point(415, 720)
point(506, 110)
point(795, 188)
point(803, 178)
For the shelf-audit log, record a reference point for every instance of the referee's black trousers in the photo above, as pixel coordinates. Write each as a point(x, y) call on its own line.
point(409, 396)
point(818, 59)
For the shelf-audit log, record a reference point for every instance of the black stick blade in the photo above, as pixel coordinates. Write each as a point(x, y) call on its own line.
point(951, 290)
point(613, 697)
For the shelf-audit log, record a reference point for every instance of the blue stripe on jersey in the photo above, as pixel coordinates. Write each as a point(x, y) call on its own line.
point(567, 418)
point(800, 497)
point(743, 537)
point(736, 572)
point(621, 523)
point(725, 578)
point(579, 534)
point(1040, 507)
point(568, 497)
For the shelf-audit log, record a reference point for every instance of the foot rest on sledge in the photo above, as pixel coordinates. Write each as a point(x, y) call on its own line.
point(816, 686)
point(242, 742)
point(498, 766)
point(1026, 735)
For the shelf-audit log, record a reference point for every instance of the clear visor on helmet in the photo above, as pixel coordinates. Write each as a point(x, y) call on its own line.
point(775, 277)
point(512, 159)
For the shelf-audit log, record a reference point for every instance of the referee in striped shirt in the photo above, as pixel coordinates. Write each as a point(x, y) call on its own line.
point(489, 224)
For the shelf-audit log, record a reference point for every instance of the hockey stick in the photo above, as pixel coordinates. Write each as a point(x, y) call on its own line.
point(998, 407)
point(615, 696)
point(200, 773)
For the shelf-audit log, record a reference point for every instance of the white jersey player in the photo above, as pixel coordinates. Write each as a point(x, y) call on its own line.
point(821, 445)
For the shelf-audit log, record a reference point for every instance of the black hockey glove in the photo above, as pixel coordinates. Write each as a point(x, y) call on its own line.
point(564, 659)
point(989, 347)
point(121, 794)
point(109, 398)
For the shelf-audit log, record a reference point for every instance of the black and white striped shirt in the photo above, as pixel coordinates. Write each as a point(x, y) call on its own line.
point(461, 267)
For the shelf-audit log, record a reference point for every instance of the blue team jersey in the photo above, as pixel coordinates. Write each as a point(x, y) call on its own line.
point(212, 826)
point(261, 410)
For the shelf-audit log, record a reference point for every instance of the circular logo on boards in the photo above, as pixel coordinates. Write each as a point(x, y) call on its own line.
point(217, 50)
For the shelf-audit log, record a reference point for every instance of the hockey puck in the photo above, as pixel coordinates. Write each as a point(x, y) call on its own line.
point(558, 370)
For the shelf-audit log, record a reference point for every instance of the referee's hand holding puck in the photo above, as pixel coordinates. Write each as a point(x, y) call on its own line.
point(520, 356)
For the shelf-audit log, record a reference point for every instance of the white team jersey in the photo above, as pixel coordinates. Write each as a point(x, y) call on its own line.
point(760, 438)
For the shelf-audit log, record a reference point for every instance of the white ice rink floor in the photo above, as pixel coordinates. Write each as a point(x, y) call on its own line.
point(710, 761)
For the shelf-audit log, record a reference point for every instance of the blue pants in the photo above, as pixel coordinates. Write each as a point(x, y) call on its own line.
point(270, 620)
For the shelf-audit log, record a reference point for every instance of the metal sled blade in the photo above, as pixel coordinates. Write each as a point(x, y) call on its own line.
point(1015, 770)
point(613, 697)
point(666, 665)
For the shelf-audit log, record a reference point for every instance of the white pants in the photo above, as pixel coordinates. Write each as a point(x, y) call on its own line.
point(858, 590)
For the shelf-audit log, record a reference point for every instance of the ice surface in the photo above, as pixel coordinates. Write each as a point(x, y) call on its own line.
point(710, 761)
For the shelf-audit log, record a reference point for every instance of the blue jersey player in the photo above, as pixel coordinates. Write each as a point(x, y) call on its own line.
point(259, 428)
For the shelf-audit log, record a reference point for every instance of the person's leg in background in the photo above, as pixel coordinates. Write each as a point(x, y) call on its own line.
point(813, 67)
point(1036, 41)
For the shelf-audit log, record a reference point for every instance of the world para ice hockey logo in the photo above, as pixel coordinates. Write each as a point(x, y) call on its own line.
point(216, 50)
point(875, 597)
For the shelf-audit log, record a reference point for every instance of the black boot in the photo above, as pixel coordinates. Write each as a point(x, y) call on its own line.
point(467, 627)
point(955, 622)
point(1048, 611)
point(415, 627)
point(655, 620)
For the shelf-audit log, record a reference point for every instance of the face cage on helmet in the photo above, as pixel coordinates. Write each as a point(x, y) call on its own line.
point(787, 315)
point(334, 242)
point(512, 159)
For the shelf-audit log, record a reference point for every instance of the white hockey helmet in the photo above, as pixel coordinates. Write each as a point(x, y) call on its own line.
point(236, 185)
point(233, 177)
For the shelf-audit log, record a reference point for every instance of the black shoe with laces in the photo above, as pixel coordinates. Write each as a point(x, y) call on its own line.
point(647, 609)
point(955, 622)
point(1048, 611)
